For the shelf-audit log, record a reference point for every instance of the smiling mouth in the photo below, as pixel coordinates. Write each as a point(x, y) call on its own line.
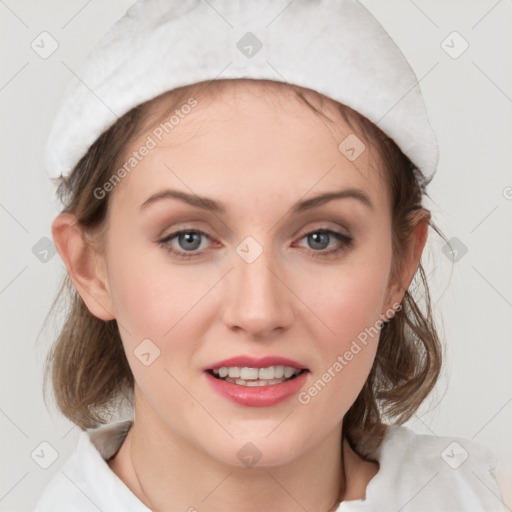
point(252, 377)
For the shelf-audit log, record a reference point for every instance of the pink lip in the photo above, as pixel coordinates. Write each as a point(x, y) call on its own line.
point(257, 396)
point(254, 362)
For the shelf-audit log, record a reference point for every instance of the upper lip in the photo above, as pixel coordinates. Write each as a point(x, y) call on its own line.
point(256, 362)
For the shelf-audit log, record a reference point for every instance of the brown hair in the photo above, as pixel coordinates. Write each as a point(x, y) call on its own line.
point(89, 370)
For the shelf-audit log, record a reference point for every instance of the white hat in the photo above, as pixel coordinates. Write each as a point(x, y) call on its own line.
point(335, 47)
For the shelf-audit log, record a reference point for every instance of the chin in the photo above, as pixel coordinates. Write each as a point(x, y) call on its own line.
point(257, 451)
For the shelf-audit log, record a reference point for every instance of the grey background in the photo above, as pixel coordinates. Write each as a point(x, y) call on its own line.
point(469, 100)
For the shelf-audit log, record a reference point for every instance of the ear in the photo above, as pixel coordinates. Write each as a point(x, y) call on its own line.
point(84, 264)
point(411, 259)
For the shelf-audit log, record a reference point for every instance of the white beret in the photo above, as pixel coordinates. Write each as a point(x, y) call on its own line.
point(334, 47)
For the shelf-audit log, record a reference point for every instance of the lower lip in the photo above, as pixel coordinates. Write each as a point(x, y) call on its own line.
point(257, 396)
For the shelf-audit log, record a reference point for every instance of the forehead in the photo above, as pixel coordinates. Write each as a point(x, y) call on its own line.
point(250, 136)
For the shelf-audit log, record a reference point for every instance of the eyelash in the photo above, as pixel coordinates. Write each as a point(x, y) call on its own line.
point(346, 243)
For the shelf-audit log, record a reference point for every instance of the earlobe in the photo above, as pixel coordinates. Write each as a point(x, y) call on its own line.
point(411, 258)
point(81, 261)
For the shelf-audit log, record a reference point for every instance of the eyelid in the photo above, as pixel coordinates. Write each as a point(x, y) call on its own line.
point(177, 232)
point(329, 231)
point(323, 225)
point(182, 224)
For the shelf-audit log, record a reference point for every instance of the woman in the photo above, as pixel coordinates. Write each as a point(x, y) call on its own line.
point(241, 237)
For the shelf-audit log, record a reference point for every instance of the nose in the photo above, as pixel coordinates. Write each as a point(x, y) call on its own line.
point(257, 300)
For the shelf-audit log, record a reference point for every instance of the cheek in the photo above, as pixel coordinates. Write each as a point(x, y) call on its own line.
point(149, 296)
point(353, 295)
point(152, 303)
point(349, 302)
point(161, 302)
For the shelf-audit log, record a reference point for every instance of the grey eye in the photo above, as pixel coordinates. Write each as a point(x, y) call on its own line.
point(318, 240)
point(189, 240)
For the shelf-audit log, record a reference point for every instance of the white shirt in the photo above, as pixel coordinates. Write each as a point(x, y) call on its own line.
point(417, 473)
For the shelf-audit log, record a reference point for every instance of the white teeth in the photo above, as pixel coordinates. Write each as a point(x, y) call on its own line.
point(234, 372)
point(247, 382)
point(246, 376)
point(288, 372)
point(278, 372)
point(266, 373)
point(249, 373)
point(257, 382)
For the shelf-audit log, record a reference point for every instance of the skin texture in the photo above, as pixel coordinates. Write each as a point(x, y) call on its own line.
point(257, 157)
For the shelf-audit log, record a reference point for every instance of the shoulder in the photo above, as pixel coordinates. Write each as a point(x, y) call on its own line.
point(423, 472)
point(85, 482)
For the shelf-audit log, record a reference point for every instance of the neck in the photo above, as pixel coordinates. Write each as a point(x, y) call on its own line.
point(167, 473)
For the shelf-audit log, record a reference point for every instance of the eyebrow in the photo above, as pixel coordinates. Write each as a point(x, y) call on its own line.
point(192, 199)
point(211, 205)
point(348, 193)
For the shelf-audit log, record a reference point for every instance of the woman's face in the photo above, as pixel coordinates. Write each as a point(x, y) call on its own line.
point(283, 260)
